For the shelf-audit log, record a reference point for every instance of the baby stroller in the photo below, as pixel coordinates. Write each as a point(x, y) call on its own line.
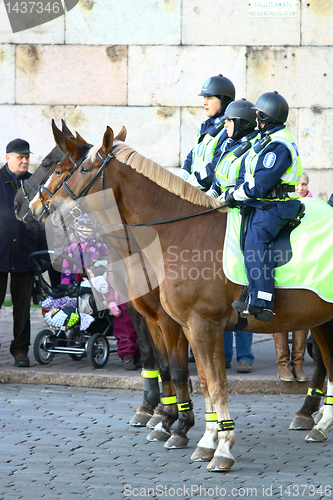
point(61, 310)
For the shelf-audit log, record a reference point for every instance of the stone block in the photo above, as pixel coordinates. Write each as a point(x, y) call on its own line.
point(316, 25)
point(173, 76)
point(229, 23)
point(152, 131)
point(302, 75)
point(32, 123)
point(155, 22)
point(51, 32)
point(7, 74)
point(191, 119)
point(316, 149)
point(71, 75)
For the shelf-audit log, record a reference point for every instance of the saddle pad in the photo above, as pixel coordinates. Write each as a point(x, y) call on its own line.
point(311, 264)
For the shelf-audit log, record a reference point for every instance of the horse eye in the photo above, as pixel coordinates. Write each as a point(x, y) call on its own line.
point(84, 169)
point(57, 172)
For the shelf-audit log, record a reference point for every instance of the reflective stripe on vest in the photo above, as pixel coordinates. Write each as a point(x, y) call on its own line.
point(293, 173)
point(227, 170)
point(203, 152)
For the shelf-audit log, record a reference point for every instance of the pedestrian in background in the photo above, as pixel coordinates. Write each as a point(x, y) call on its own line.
point(17, 240)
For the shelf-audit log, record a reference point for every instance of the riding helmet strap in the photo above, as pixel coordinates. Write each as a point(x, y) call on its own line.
point(185, 405)
point(225, 425)
point(211, 416)
point(315, 393)
point(329, 400)
point(169, 400)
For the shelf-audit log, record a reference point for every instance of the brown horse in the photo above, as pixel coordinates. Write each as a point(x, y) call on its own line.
point(195, 292)
point(172, 359)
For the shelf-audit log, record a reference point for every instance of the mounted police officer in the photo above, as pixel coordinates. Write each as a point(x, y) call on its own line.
point(268, 176)
point(199, 166)
point(240, 125)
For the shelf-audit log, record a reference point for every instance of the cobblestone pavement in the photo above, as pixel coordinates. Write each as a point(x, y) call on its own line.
point(75, 443)
point(63, 370)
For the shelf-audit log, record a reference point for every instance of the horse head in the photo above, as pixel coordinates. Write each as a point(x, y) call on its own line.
point(73, 153)
point(29, 187)
point(82, 179)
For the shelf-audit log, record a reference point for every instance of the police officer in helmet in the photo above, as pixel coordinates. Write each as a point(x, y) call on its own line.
point(199, 166)
point(240, 124)
point(268, 176)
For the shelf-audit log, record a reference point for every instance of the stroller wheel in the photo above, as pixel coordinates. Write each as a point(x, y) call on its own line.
point(98, 350)
point(44, 340)
point(78, 339)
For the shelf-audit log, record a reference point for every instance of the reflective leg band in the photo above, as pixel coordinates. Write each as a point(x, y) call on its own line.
point(315, 393)
point(185, 405)
point(225, 425)
point(211, 416)
point(169, 400)
point(149, 373)
point(160, 384)
point(329, 400)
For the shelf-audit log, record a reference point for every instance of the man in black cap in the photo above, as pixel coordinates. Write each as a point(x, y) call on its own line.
point(17, 241)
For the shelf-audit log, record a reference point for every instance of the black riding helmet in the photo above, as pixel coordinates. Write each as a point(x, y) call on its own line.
point(243, 116)
point(221, 87)
point(272, 108)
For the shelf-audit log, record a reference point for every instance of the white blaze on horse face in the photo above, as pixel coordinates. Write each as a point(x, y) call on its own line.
point(36, 197)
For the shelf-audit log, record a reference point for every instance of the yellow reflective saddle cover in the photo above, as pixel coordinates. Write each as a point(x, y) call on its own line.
point(311, 264)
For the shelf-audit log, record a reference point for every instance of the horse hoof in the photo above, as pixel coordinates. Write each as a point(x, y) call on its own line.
point(301, 423)
point(316, 436)
point(176, 442)
point(221, 464)
point(140, 419)
point(153, 421)
point(202, 454)
point(158, 434)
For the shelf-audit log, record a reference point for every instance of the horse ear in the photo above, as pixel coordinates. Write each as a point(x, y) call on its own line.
point(59, 137)
point(107, 140)
point(122, 134)
point(65, 129)
point(79, 139)
point(71, 146)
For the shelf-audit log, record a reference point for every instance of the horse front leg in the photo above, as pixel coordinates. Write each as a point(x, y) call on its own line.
point(167, 412)
point(303, 419)
point(207, 345)
point(151, 391)
point(177, 347)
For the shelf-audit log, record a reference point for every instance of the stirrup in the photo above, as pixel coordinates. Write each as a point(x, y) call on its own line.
point(242, 308)
point(262, 313)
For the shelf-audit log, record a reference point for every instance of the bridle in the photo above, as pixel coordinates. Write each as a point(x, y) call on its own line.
point(42, 187)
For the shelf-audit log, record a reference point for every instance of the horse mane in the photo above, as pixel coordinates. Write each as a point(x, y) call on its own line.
point(163, 177)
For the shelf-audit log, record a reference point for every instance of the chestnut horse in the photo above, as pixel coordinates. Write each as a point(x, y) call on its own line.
point(172, 359)
point(194, 292)
point(33, 189)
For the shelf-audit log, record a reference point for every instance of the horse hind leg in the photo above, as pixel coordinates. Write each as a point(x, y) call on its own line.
point(151, 392)
point(324, 340)
point(303, 419)
point(319, 432)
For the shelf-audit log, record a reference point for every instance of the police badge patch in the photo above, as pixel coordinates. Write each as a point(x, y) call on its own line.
point(269, 160)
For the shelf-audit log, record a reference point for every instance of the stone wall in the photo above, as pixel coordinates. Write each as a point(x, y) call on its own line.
point(142, 64)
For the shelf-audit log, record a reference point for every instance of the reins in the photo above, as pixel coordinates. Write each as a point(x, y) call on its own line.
point(101, 171)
